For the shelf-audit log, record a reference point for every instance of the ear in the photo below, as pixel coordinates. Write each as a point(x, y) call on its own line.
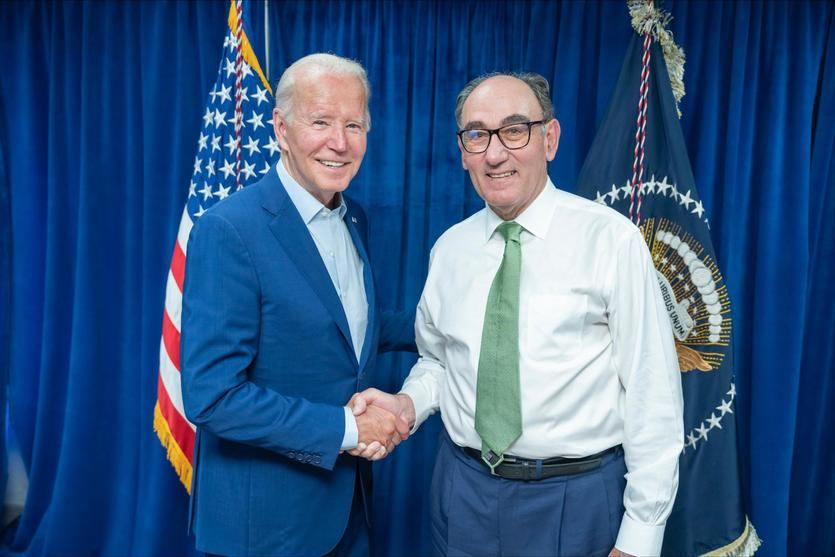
point(552, 138)
point(280, 129)
point(463, 155)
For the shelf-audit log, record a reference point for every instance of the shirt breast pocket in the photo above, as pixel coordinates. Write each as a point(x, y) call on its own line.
point(554, 325)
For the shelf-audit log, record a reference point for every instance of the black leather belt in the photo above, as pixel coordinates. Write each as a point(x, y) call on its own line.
point(518, 468)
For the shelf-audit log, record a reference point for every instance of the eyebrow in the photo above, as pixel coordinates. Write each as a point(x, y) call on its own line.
point(512, 119)
point(515, 119)
point(324, 115)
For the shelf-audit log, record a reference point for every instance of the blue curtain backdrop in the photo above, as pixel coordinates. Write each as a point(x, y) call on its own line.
point(100, 108)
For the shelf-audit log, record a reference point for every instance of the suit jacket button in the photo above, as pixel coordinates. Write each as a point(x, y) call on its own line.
point(292, 455)
point(317, 459)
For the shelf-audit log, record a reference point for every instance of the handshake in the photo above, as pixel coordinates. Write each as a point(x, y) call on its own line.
point(383, 421)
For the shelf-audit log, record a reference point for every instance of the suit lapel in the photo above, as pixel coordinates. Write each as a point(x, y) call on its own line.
point(295, 239)
point(368, 281)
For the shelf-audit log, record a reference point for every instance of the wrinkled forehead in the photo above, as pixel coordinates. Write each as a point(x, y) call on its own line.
point(342, 90)
point(499, 101)
point(316, 82)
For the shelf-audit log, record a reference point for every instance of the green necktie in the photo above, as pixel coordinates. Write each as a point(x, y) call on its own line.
point(498, 408)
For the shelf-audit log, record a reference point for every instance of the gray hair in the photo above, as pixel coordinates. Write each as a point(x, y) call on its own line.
point(318, 64)
point(537, 83)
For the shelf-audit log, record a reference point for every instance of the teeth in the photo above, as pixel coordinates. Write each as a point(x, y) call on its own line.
point(502, 175)
point(333, 164)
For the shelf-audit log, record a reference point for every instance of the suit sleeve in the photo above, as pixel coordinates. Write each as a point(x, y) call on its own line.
point(220, 334)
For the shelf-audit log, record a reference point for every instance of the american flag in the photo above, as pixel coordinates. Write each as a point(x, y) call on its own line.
point(235, 148)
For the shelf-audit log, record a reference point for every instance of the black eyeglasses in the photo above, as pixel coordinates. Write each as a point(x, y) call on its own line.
point(512, 136)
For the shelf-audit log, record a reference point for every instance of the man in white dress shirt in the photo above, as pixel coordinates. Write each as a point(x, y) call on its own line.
point(589, 461)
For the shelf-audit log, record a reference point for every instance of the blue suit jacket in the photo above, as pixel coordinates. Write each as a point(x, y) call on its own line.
point(267, 365)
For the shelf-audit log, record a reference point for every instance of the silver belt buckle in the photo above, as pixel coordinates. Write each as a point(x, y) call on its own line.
point(492, 460)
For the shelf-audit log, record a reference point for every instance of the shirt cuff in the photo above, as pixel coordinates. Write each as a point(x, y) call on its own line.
point(422, 402)
point(351, 437)
point(637, 538)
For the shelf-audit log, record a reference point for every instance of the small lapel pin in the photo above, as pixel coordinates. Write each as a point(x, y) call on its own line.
point(354, 220)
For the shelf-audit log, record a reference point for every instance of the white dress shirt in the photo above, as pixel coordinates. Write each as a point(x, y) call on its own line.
point(344, 265)
point(598, 364)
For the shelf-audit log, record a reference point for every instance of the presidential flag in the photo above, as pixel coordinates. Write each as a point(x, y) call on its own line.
point(235, 148)
point(638, 165)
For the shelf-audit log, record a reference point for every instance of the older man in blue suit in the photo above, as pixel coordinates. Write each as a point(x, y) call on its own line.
point(280, 328)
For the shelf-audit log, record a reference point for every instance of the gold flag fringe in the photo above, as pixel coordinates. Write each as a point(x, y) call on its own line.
point(173, 451)
point(648, 19)
point(744, 546)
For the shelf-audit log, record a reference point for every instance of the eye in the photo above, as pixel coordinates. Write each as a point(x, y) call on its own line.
point(514, 132)
point(319, 124)
point(354, 127)
point(475, 135)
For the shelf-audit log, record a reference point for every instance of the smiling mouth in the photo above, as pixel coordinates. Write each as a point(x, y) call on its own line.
point(333, 164)
point(501, 174)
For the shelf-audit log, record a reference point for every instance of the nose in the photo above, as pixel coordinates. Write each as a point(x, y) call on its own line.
point(338, 139)
point(496, 152)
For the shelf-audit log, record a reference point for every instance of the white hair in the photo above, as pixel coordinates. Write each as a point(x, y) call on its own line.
point(314, 65)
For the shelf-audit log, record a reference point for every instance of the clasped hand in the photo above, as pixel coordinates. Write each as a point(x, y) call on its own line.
point(383, 421)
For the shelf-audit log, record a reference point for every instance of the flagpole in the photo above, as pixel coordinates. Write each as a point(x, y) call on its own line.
point(267, 37)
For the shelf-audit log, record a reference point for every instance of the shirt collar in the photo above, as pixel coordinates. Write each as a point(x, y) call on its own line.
point(536, 218)
point(307, 205)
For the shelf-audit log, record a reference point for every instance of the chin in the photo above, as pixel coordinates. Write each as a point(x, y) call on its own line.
point(340, 187)
point(502, 202)
point(328, 183)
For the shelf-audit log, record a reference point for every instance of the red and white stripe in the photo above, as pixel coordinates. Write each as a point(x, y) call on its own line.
point(169, 390)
